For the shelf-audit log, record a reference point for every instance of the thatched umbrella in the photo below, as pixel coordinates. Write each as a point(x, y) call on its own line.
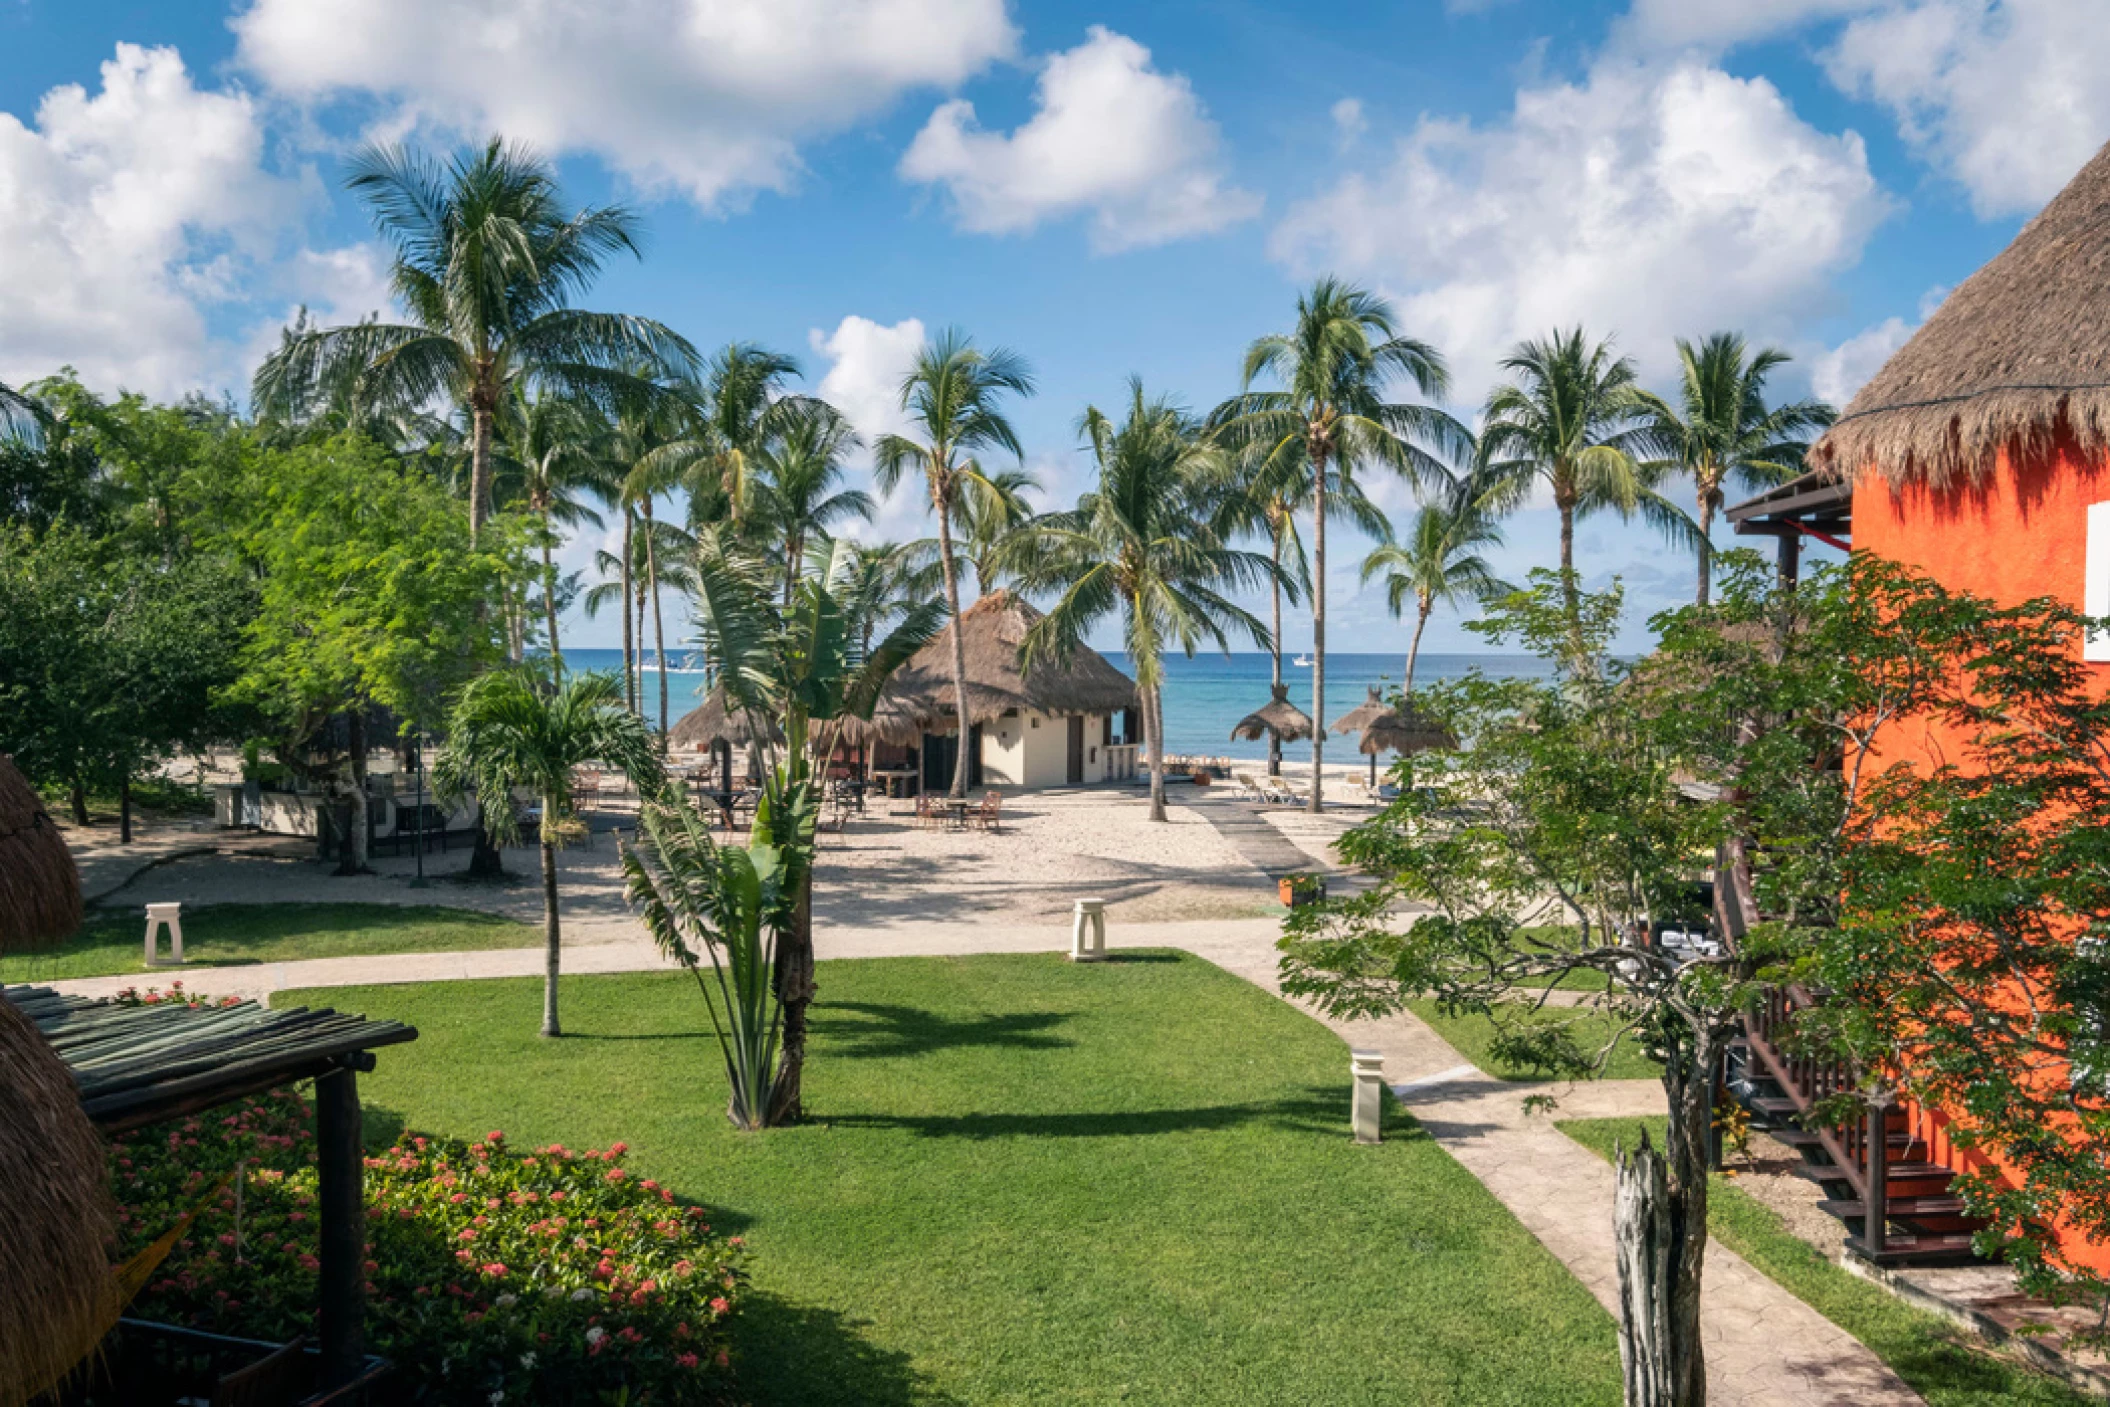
point(55, 1281)
point(40, 890)
point(2012, 360)
point(1278, 716)
point(1400, 728)
point(713, 724)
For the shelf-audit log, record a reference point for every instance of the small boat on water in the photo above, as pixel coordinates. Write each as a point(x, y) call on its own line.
point(1302, 661)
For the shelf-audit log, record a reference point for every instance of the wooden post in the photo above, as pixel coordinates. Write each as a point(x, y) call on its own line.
point(1717, 1087)
point(1877, 1201)
point(1646, 1258)
point(339, 1171)
point(1790, 558)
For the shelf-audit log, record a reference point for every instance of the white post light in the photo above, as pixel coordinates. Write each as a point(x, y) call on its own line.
point(161, 916)
point(1088, 931)
point(1366, 1112)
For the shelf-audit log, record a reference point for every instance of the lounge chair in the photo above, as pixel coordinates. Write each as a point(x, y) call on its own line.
point(988, 814)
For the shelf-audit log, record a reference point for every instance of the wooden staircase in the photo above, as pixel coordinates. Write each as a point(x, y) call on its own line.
point(1880, 1162)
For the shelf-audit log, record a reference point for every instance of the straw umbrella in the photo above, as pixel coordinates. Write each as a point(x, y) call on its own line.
point(1278, 716)
point(56, 1290)
point(1400, 728)
point(713, 724)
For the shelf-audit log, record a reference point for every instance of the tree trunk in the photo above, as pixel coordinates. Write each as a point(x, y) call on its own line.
point(1318, 637)
point(1706, 543)
point(549, 601)
point(552, 940)
point(1154, 744)
point(124, 809)
point(630, 700)
point(479, 466)
point(659, 633)
point(1659, 1219)
point(795, 990)
point(1274, 739)
point(77, 795)
point(1414, 647)
point(355, 843)
point(959, 638)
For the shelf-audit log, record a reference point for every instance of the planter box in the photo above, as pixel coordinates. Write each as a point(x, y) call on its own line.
point(1296, 895)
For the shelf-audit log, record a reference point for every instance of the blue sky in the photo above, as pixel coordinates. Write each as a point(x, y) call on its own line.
point(1107, 189)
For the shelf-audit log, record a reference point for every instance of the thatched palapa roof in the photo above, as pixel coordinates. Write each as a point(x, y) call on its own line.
point(1400, 728)
point(712, 722)
point(1278, 716)
point(40, 889)
point(993, 629)
point(2017, 357)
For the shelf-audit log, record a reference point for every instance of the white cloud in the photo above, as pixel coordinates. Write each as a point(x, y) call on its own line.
point(1110, 136)
point(2006, 95)
point(1838, 372)
point(1348, 119)
point(708, 97)
point(866, 363)
point(1648, 201)
point(132, 220)
point(1714, 25)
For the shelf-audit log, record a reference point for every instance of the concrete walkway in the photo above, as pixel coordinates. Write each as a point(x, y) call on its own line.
point(1765, 1348)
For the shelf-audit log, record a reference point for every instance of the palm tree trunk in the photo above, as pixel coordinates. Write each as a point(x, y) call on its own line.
point(794, 991)
point(552, 942)
point(549, 601)
point(959, 638)
point(629, 694)
point(1154, 745)
point(77, 798)
point(1706, 543)
point(1318, 637)
point(1414, 648)
point(659, 631)
point(1571, 602)
point(124, 808)
point(1274, 739)
point(479, 466)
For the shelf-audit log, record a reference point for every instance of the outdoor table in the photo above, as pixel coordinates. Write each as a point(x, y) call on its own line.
point(729, 803)
point(956, 811)
point(896, 780)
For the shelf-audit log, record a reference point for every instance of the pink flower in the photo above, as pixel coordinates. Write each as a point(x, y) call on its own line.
point(494, 1136)
point(685, 1360)
point(618, 1149)
point(494, 1270)
point(720, 1305)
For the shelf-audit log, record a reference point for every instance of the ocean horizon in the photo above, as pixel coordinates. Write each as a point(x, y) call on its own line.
point(1204, 696)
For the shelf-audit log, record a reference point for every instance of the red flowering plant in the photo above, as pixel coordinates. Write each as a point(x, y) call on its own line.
point(492, 1275)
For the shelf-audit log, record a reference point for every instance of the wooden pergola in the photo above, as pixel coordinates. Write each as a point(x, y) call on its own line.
point(1816, 504)
point(140, 1065)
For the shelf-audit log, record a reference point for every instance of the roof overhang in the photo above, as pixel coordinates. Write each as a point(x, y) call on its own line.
point(1810, 505)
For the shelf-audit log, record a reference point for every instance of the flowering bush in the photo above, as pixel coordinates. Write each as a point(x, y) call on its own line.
point(175, 995)
point(492, 1276)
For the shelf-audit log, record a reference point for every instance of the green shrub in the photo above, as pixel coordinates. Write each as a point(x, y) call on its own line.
point(493, 1276)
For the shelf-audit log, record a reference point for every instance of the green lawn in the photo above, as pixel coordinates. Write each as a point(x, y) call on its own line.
point(1473, 1037)
point(1026, 1181)
point(236, 934)
point(1941, 1362)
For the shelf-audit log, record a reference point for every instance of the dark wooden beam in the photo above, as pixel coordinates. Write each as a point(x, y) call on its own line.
point(340, 1171)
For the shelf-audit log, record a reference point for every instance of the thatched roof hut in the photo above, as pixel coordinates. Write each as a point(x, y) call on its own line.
point(40, 889)
point(712, 722)
point(2016, 358)
point(1400, 728)
point(993, 629)
point(1278, 716)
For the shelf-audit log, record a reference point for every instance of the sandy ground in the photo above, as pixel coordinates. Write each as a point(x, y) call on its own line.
point(1053, 847)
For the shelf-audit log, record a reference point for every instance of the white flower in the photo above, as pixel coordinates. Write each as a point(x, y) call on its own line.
point(581, 1296)
point(507, 1300)
point(527, 1360)
point(596, 1334)
point(498, 1397)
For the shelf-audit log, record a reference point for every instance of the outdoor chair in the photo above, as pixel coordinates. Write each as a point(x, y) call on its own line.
point(926, 810)
point(988, 814)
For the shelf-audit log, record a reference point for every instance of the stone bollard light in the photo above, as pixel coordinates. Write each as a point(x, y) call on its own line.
point(1365, 1113)
point(1088, 931)
point(169, 916)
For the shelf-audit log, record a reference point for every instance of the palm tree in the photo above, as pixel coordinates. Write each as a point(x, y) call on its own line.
point(509, 730)
point(1720, 431)
point(951, 395)
point(1138, 545)
point(800, 496)
point(740, 405)
point(985, 515)
point(22, 416)
point(486, 265)
point(1329, 419)
point(546, 452)
point(1438, 564)
point(1570, 421)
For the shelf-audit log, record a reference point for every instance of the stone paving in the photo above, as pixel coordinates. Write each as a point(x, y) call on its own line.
point(1764, 1347)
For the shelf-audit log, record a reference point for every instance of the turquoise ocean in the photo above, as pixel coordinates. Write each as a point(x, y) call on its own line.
point(1204, 696)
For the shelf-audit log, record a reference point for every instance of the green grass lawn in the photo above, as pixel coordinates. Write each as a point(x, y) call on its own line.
point(1941, 1362)
point(237, 934)
point(1473, 1037)
point(1027, 1181)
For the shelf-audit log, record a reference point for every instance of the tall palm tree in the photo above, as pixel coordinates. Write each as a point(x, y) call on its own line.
point(1438, 564)
point(740, 405)
point(800, 498)
point(1329, 419)
point(487, 262)
point(1720, 431)
point(1138, 545)
point(546, 454)
point(509, 730)
point(1571, 420)
point(951, 396)
point(985, 515)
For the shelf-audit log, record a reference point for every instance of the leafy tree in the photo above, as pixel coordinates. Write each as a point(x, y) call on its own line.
point(487, 262)
point(547, 457)
point(988, 511)
point(1572, 421)
point(803, 665)
point(1720, 431)
point(1438, 564)
point(951, 395)
point(21, 415)
point(801, 499)
point(1328, 420)
point(510, 730)
point(1136, 546)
